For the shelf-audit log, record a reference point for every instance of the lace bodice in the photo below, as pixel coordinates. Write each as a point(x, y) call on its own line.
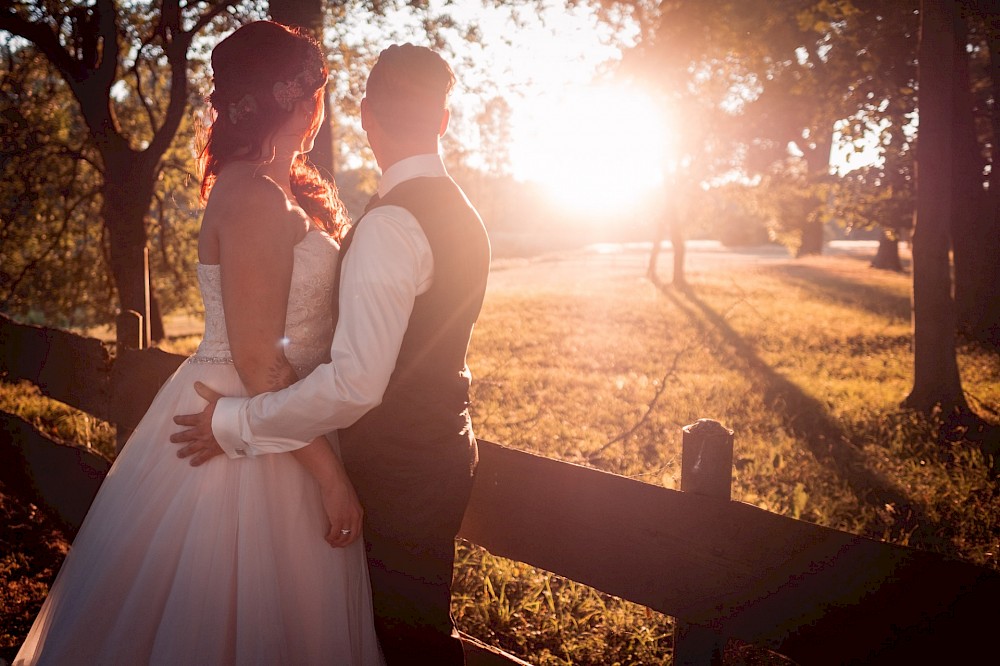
point(309, 319)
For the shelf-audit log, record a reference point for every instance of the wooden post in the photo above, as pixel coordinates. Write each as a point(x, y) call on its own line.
point(707, 459)
point(129, 330)
point(706, 469)
point(147, 323)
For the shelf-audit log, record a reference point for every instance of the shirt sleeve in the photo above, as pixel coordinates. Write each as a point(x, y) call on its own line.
point(389, 264)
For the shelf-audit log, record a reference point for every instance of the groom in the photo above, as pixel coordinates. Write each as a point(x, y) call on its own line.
point(412, 278)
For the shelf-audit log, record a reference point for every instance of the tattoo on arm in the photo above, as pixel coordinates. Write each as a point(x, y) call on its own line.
point(280, 374)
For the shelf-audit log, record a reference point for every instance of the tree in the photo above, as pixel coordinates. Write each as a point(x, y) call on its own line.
point(936, 379)
point(684, 62)
point(771, 70)
point(882, 195)
point(95, 51)
point(975, 220)
point(879, 196)
point(120, 71)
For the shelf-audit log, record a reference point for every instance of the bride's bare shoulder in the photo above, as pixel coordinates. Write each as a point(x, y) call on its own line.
point(242, 191)
point(251, 205)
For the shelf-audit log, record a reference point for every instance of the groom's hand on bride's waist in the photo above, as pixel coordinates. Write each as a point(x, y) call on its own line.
point(199, 442)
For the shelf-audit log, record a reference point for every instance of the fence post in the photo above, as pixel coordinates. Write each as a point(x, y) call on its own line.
point(147, 321)
point(129, 330)
point(706, 469)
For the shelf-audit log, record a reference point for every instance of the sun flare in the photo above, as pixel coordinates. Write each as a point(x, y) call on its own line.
point(595, 149)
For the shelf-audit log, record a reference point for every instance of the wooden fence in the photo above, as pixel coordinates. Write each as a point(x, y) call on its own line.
point(724, 569)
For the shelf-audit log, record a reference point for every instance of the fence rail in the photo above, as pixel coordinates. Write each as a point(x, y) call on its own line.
point(723, 568)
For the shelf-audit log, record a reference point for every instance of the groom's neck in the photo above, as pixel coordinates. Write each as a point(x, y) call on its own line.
point(391, 152)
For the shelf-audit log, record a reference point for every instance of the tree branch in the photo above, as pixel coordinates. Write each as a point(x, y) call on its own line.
point(45, 39)
point(57, 238)
point(150, 113)
point(671, 371)
point(176, 44)
point(209, 16)
point(107, 30)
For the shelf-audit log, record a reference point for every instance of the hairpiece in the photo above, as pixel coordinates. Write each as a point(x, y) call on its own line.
point(286, 93)
point(243, 108)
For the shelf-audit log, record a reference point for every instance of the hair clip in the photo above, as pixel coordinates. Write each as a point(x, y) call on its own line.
point(243, 108)
point(286, 93)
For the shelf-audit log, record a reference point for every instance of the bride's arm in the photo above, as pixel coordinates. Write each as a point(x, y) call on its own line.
point(256, 248)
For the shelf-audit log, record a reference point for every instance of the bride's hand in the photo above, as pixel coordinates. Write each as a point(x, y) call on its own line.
point(343, 510)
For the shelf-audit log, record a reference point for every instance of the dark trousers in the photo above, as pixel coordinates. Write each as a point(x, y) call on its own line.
point(411, 594)
point(410, 528)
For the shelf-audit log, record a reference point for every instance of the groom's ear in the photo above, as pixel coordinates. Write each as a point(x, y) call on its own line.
point(364, 113)
point(445, 119)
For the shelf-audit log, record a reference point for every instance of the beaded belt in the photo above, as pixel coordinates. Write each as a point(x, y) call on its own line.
point(227, 360)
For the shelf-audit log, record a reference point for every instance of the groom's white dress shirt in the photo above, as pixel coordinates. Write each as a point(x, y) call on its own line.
point(390, 263)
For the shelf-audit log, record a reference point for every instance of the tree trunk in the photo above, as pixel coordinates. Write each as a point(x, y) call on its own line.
point(971, 221)
point(977, 255)
point(654, 254)
point(989, 330)
point(818, 161)
point(127, 190)
point(935, 369)
point(679, 248)
point(308, 15)
point(812, 239)
point(887, 257)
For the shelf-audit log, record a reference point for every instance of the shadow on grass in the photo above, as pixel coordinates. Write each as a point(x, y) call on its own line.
point(869, 257)
point(838, 289)
point(963, 424)
point(808, 420)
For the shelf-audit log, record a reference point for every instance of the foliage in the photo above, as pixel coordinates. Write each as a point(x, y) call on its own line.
point(790, 200)
point(853, 72)
point(736, 217)
point(767, 84)
point(55, 249)
point(50, 240)
point(116, 82)
point(875, 196)
point(59, 241)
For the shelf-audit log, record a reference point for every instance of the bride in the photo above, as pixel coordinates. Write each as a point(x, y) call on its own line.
point(257, 560)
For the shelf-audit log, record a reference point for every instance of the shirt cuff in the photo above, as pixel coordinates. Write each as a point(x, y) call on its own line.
point(226, 425)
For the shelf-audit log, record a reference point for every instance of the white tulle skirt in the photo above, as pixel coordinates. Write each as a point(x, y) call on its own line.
point(219, 564)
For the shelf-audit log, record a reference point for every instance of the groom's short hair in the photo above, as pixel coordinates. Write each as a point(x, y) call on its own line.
point(408, 88)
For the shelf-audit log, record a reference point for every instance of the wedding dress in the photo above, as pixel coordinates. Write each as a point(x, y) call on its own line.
point(219, 564)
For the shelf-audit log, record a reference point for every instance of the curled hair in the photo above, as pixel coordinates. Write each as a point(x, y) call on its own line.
point(259, 71)
point(408, 88)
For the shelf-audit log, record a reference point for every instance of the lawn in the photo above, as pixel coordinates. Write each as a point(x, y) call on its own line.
point(580, 357)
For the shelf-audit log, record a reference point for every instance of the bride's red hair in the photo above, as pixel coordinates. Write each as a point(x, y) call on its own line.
point(249, 68)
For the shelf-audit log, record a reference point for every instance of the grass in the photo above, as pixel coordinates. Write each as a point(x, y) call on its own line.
point(581, 358)
point(585, 360)
point(55, 419)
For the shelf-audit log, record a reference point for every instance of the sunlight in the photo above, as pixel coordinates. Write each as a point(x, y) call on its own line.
point(847, 155)
point(595, 149)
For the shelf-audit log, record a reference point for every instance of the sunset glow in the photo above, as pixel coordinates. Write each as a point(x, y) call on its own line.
point(596, 149)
